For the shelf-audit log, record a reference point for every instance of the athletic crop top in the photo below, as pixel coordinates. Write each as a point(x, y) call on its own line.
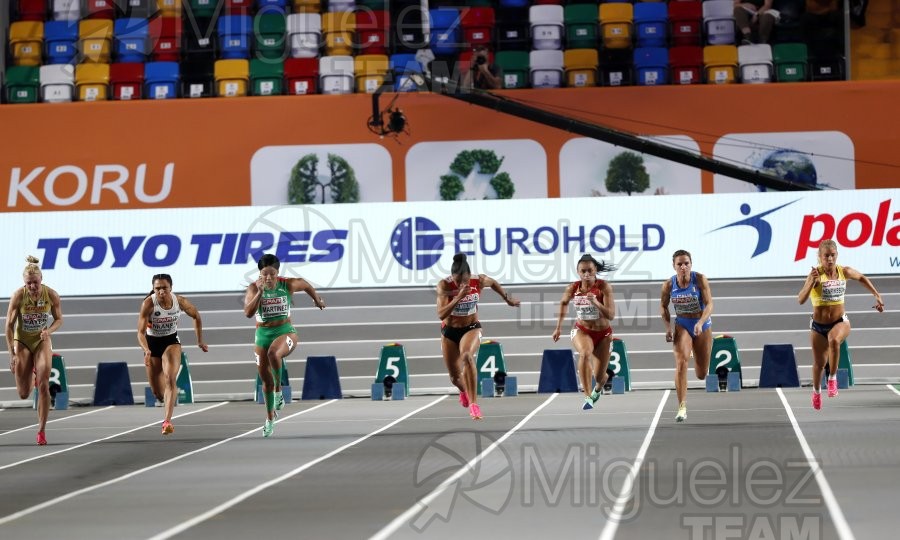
point(34, 315)
point(163, 322)
point(829, 292)
point(468, 305)
point(276, 303)
point(686, 300)
point(584, 309)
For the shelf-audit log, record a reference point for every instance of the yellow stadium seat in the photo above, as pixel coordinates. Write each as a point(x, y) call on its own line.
point(95, 39)
point(26, 40)
point(370, 70)
point(581, 67)
point(338, 28)
point(307, 6)
point(616, 25)
point(720, 64)
point(169, 8)
point(92, 82)
point(232, 77)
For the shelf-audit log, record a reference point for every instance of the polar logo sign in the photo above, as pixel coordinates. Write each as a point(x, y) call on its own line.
point(416, 243)
point(763, 227)
point(166, 249)
point(854, 229)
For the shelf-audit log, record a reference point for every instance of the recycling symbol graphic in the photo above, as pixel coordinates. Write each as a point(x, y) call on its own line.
point(462, 184)
point(306, 186)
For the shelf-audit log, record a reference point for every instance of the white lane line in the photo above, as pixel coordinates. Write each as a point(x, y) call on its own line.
point(893, 389)
point(169, 533)
point(77, 446)
point(82, 491)
point(63, 419)
point(618, 508)
point(422, 504)
point(837, 516)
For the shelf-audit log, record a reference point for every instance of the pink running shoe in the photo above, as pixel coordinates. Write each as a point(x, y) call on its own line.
point(41, 438)
point(817, 401)
point(167, 428)
point(832, 388)
point(464, 399)
point(475, 411)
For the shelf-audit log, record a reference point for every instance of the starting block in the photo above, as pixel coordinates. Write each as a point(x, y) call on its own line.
point(557, 372)
point(618, 385)
point(113, 384)
point(843, 379)
point(392, 368)
point(285, 385)
point(505, 386)
point(779, 367)
point(394, 391)
point(618, 363)
point(731, 383)
point(321, 379)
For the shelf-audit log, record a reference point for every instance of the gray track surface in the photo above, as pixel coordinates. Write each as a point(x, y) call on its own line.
point(349, 468)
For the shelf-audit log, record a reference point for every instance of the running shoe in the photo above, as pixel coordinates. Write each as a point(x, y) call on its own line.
point(279, 401)
point(588, 404)
point(817, 401)
point(475, 411)
point(464, 399)
point(167, 428)
point(595, 395)
point(268, 428)
point(682, 412)
point(832, 388)
point(41, 438)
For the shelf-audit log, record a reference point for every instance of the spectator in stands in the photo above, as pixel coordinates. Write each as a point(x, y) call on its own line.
point(269, 298)
point(592, 335)
point(829, 326)
point(457, 308)
point(821, 17)
point(158, 337)
point(755, 16)
point(691, 297)
point(482, 74)
point(28, 330)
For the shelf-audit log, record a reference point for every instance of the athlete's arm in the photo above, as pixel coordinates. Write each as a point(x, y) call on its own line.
point(194, 313)
point(665, 295)
point(867, 283)
point(487, 281)
point(563, 309)
point(56, 311)
point(12, 314)
point(808, 285)
point(705, 296)
point(300, 284)
point(608, 307)
point(252, 297)
point(143, 322)
point(446, 303)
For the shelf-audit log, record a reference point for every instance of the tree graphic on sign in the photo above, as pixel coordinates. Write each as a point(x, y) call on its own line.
point(461, 179)
point(626, 173)
point(307, 187)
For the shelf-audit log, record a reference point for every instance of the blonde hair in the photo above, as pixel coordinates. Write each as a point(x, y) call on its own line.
point(32, 266)
point(827, 244)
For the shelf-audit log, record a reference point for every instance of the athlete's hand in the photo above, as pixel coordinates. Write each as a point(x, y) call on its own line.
point(45, 334)
point(879, 304)
point(698, 328)
point(203, 346)
point(12, 362)
point(463, 291)
point(260, 283)
point(319, 302)
point(512, 301)
point(813, 275)
point(146, 358)
point(669, 337)
point(555, 335)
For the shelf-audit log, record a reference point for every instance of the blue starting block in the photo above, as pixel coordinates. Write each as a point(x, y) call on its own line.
point(112, 385)
point(732, 382)
point(557, 372)
point(321, 379)
point(779, 367)
point(843, 379)
point(397, 391)
point(618, 385)
point(489, 387)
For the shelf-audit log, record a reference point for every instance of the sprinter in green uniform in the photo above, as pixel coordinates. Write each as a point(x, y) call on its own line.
point(269, 299)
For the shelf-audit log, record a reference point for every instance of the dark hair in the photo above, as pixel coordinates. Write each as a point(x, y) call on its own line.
point(163, 277)
point(269, 260)
point(599, 265)
point(460, 266)
point(681, 252)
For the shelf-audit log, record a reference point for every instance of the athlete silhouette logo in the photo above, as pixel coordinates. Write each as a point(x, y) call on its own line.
point(761, 225)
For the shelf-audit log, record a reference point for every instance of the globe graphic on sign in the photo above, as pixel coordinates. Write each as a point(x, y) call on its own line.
point(788, 164)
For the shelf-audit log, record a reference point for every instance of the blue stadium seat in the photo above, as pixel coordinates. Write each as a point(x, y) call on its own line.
point(132, 40)
point(401, 65)
point(234, 36)
point(161, 79)
point(651, 65)
point(445, 30)
point(61, 41)
point(651, 19)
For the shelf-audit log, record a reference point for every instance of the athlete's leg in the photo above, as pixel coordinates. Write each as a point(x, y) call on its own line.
point(24, 371)
point(602, 352)
point(450, 351)
point(819, 345)
point(681, 347)
point(702, 347)
point(171, 362)
point(154, 378)
point(468, 351)
point(43, 361)
point(584, 346)
point(836, 336)
point(268, 380)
